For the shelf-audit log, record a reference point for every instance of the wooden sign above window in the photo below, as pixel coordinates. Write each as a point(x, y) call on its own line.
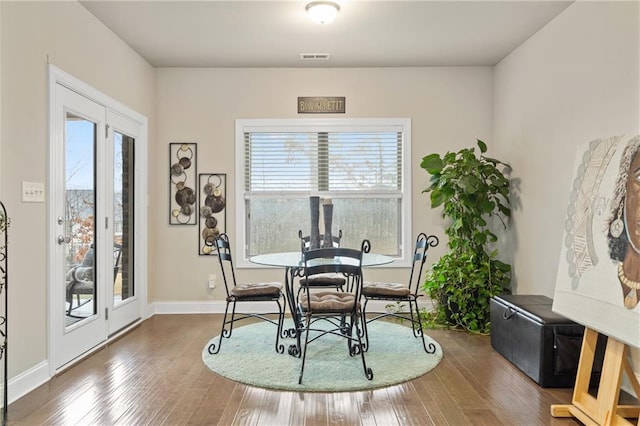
point(321, 105)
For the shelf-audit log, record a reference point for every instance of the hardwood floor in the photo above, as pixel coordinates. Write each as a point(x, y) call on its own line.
point(154, 375)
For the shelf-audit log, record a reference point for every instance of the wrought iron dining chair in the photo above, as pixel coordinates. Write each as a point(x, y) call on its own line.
point(336, 281)
point(326, 312)
point(245, 292)
point(399, 293)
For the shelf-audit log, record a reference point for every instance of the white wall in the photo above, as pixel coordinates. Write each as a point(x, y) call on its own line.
point(449, 108)
point(576, 80)
point(67, 36)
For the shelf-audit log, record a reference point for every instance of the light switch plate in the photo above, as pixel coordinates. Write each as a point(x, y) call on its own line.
point(32, 192)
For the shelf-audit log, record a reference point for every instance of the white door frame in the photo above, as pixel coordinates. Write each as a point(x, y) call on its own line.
point(59, 77)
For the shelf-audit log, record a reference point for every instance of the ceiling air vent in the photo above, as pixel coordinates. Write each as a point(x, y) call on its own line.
point(314, 56)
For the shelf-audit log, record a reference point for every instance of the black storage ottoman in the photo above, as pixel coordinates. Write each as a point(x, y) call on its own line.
point(542, 344)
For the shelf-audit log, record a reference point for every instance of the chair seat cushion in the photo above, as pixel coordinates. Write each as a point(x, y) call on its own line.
point(382, 289)
point(80, 280)
point(80, 273)
point(328, 302)
point(324, 280)
point(256, 289)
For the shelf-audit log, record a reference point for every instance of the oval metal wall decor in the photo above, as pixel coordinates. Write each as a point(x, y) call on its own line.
point(182, 175)
point(213, 211)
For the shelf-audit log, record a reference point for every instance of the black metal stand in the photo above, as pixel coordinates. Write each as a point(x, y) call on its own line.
point(4, 279)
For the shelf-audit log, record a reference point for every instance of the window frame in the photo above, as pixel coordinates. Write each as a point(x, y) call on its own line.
point(323, 125)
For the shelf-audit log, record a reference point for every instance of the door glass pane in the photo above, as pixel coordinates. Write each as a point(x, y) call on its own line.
point(80, 205)
point(123, 202)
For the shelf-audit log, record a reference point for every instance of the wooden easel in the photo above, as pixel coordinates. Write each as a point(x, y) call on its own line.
point(603, 409)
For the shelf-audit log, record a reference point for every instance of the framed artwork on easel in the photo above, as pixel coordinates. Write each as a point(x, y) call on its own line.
point(599, 263)
point(598, 278)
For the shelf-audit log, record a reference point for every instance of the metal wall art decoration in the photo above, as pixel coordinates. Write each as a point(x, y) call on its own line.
point(183, 174)
point(213, 212)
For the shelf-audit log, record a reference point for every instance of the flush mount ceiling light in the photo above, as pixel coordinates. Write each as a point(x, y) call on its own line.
point(322, 11)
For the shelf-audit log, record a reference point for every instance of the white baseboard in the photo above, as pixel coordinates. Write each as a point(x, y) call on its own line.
point(188, 307)
point(27, 381)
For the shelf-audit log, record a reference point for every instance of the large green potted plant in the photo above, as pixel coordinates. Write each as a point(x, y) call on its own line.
point(473, 192)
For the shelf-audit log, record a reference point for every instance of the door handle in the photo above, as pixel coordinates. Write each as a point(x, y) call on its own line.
point(63, 240)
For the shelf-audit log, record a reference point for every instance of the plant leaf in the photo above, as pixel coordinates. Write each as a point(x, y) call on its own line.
point(437, 198)
point(432, 163)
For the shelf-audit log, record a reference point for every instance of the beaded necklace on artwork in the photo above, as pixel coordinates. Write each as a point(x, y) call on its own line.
point(634, 285)
point(631, 298)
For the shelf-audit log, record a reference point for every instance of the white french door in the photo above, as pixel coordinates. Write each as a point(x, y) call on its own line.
point(97, 237)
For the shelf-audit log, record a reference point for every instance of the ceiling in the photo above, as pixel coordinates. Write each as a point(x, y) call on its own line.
point(238, 33)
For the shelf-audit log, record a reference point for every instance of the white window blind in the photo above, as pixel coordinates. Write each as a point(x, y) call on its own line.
point(323, 161)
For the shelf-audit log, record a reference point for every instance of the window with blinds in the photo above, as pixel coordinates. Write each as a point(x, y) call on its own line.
point(358, 164)
point(323, 161)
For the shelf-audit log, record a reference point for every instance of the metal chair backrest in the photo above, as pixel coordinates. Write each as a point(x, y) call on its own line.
point(338, 260)
point(226, 261)
point(423, 242)
point(305, 240)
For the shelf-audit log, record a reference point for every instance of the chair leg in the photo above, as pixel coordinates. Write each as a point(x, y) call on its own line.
point(368, 372)
point(431, 348)
point(416, 325)
point(233, 318)
point(70, 300)
point(280, 325)
point(304, 350)
point(347, 331)
point(213, 349)
point(298, 324)
point(365, 330)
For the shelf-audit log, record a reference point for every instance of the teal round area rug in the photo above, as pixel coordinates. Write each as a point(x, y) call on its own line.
point(394, 355)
